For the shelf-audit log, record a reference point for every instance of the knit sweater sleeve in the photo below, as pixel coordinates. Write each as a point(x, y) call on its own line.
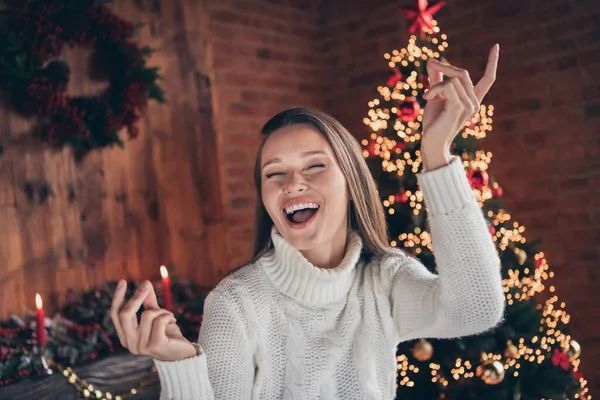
point(466, 295)
point(224, 369)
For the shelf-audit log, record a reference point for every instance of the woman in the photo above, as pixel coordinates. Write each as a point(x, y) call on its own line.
point(319, 310)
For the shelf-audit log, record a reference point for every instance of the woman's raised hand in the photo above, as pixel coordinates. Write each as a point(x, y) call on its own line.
point(451, 102)
point(157, 335)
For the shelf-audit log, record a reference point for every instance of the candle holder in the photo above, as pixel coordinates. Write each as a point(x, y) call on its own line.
point(47, 365)
point(41, 352)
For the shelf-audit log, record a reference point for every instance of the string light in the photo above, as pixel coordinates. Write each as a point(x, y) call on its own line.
point(89, 391)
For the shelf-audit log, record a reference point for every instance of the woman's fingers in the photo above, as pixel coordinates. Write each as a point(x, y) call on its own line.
point(157, 335)
point(146, 326)
point(468, 103)
point(448, 115)
point(150, 302)
point(435, 76)
point(128, 316)
point(115, 309)
point(451, 71)
point(476, 93)
point(486, 82)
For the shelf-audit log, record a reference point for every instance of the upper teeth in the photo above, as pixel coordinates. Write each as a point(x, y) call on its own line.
point(302, 206)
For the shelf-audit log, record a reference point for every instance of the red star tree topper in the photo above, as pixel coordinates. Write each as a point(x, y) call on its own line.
point(422, 17)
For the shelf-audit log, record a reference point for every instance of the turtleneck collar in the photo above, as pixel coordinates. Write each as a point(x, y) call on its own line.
point(300, 280)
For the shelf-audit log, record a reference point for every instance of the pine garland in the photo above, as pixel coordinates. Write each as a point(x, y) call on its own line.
point(83, 330)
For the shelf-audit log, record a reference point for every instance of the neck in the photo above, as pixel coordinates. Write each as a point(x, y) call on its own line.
point(328, 254)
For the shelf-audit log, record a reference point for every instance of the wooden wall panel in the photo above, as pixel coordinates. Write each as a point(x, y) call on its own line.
point(119, 213)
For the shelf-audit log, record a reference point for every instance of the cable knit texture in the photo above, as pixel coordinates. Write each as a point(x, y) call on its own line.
point(282, 328)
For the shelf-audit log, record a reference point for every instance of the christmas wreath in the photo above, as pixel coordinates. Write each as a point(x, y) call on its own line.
point(34, 79)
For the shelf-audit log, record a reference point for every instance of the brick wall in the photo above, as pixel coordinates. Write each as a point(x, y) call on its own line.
point(546, 137)
point(269, 55)
point(265, 59)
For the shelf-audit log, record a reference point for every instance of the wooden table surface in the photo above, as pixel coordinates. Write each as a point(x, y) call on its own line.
point(116, 374)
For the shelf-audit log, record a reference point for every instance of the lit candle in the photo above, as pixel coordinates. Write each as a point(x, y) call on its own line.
point(39, 318)
point(166, 283)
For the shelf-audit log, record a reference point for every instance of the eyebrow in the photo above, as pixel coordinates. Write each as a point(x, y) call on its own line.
point(305, 154)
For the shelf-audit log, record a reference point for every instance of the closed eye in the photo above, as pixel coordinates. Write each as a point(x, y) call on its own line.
point(271, 174)
point(316, 166)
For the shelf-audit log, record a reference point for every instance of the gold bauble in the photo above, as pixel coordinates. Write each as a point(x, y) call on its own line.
point(422, 350)
point(511, 351)
point(491, 372)
point(574, 350)
point(522, 255)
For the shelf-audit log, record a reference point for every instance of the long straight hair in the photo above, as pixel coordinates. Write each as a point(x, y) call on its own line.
point(365, 211)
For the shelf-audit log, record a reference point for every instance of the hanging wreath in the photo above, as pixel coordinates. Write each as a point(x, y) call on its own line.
point(34, 79)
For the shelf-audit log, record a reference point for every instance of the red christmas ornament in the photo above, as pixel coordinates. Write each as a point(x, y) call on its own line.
point(492, 230)
point(394, 77)
point(539, 262)
point(401, 197)
point(478, 178)
point(560, 358)
point(371, 148)
point(497, 192)
point(399, 145)
point(422, 17)
point(577, 375)
point(408, 111)
point(470, 125)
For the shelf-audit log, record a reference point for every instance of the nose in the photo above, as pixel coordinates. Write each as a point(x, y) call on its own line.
point(294, 185)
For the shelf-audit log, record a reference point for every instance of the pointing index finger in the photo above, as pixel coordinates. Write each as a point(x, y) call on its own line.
point(484, 85)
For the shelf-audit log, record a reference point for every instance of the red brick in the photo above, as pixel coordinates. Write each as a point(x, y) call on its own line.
point(574, 167)
point(573, 220)
point(223, 32)
point(574, 151)
point(536, 205)
point(537, 138)
point(243, 109)
point(575, 184)
point(571, 202)
point(241, 218)
point(583, 237)
point(572, 26)
point(543, 222)
point(555, 11)
point(229, 18)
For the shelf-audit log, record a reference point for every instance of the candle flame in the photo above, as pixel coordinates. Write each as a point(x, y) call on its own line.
point(38, 301)
point(163, 271)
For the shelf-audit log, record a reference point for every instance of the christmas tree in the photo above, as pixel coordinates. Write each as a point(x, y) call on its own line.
point(531, 354)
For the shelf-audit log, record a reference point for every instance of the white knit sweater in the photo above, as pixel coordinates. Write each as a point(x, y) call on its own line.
point(282, 328)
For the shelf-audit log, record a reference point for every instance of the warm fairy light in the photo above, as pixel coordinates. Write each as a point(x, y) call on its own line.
point(89, 391)
point(462, 370)
point(403, 369)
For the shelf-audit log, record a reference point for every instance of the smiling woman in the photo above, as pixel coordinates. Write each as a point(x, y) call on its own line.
point(305, 172)
point(306, 156)
point(320, 308)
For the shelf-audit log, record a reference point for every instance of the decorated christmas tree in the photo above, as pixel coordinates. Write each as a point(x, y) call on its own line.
point(531, 354)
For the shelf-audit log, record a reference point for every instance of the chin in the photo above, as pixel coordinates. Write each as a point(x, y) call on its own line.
point(302, 239)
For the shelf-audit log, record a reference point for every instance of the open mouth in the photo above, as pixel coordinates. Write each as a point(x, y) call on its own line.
point(300, 215)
